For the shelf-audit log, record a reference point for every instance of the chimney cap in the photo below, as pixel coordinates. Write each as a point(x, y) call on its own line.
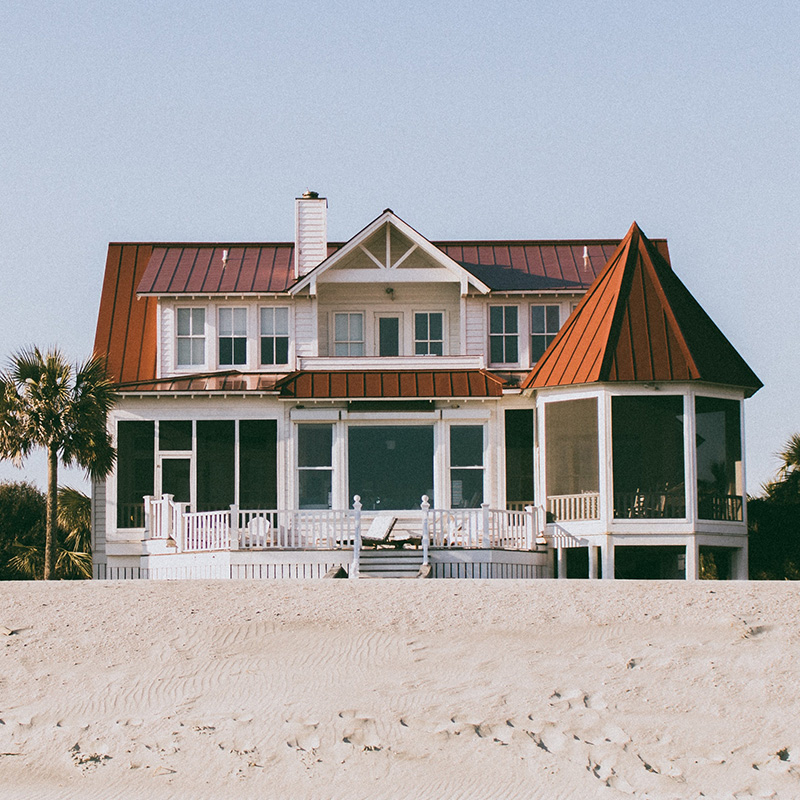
point(309, 195)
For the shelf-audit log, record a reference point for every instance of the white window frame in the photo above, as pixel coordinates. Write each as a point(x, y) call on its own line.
point(504, 334)
point(274, 336)
point(349, 342)
point(192, 337)
point(233, 336)
point(428, 341)
point(547, 334)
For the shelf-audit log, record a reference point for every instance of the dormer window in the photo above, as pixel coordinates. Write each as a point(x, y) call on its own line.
point(191, 337)
point(348, 334)
point(274, 336)
point(232, 336)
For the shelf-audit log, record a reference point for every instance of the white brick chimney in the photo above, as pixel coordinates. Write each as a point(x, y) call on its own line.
point(310, 232)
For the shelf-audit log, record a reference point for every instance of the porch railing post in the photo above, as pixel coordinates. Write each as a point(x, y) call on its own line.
point(233, 528)
point(356, 536)
point(530, 522)
point(147, 498)
point(179, 534)
point(426, 531)
point(166, 515)
point(486, 535)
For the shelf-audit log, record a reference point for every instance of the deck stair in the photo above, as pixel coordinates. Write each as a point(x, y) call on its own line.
point(389, 563)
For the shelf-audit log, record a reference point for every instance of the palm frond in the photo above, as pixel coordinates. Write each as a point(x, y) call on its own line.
point(28, 561)
point(75, 518)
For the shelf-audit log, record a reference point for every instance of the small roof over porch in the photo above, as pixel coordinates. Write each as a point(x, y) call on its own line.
point(388, 384)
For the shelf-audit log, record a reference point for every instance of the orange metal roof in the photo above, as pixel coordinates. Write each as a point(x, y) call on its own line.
point(384, 384)
point(638, 322)
point(126, 324)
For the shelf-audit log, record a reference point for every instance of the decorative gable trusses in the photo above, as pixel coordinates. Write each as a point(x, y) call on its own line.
point(638, 322)
point(387, 244)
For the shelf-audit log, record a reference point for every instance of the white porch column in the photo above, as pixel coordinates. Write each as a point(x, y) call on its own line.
point(561, 558)
point(593, 562)
point(740, 568)
point(608, 559)
point(693, 560)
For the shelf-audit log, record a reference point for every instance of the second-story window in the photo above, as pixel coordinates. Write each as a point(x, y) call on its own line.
point(428, 333)
point(503, 335)
point(348, 334)
point(232, 336)
point(545, 322)
point(274, 336)
point(191, 337)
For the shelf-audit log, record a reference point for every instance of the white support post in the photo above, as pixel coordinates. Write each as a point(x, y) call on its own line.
point(426, 533)
point(486, 534)
point(561, 559)
point(356, 536)
point(233, 528)
point(592, 562)
point(607, 554)
point(693, 560)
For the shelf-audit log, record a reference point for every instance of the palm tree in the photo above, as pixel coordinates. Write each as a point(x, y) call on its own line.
point(786, 487)
point(45, 402)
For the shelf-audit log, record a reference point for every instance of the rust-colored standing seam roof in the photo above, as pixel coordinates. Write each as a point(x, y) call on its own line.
point(268, 268)
point(126, 324)
point(385, 384)
point(228, 381)
point(638, 322)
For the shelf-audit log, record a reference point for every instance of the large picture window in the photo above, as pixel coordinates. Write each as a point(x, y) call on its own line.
point(232, 336)
point(391, 466)
point(191, 337)
point(314, 465)
point(274, 336)
point(503, 335)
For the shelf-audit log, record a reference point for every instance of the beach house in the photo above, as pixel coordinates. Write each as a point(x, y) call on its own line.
point(392, 405)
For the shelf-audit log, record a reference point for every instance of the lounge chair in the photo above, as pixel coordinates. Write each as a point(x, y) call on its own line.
point(379, 531)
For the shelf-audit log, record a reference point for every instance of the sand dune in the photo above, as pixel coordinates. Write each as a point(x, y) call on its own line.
point(399, 689)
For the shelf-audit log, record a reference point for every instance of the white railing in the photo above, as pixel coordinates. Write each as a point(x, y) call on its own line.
point(206, 530)
point(317, 529)
point(481, 527)
point(332, 529)
point(567, 507)
point(163, 517)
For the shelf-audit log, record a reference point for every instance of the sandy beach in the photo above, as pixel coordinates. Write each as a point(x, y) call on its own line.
point(399, 689)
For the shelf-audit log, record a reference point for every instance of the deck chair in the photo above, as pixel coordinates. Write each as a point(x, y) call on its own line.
point(379, 530)
point(257, 533)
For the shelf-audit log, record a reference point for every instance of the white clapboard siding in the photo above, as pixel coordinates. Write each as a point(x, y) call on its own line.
point(167, 322)
point(304, 328)
point(99, 518)
point(476, 334)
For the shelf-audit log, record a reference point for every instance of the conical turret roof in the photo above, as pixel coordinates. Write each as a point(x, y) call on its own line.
point(638, 322)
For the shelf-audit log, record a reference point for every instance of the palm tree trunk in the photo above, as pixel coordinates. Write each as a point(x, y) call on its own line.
point(52, 514)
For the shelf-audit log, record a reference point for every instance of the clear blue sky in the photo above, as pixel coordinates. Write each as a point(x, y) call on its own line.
point(203, 120)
